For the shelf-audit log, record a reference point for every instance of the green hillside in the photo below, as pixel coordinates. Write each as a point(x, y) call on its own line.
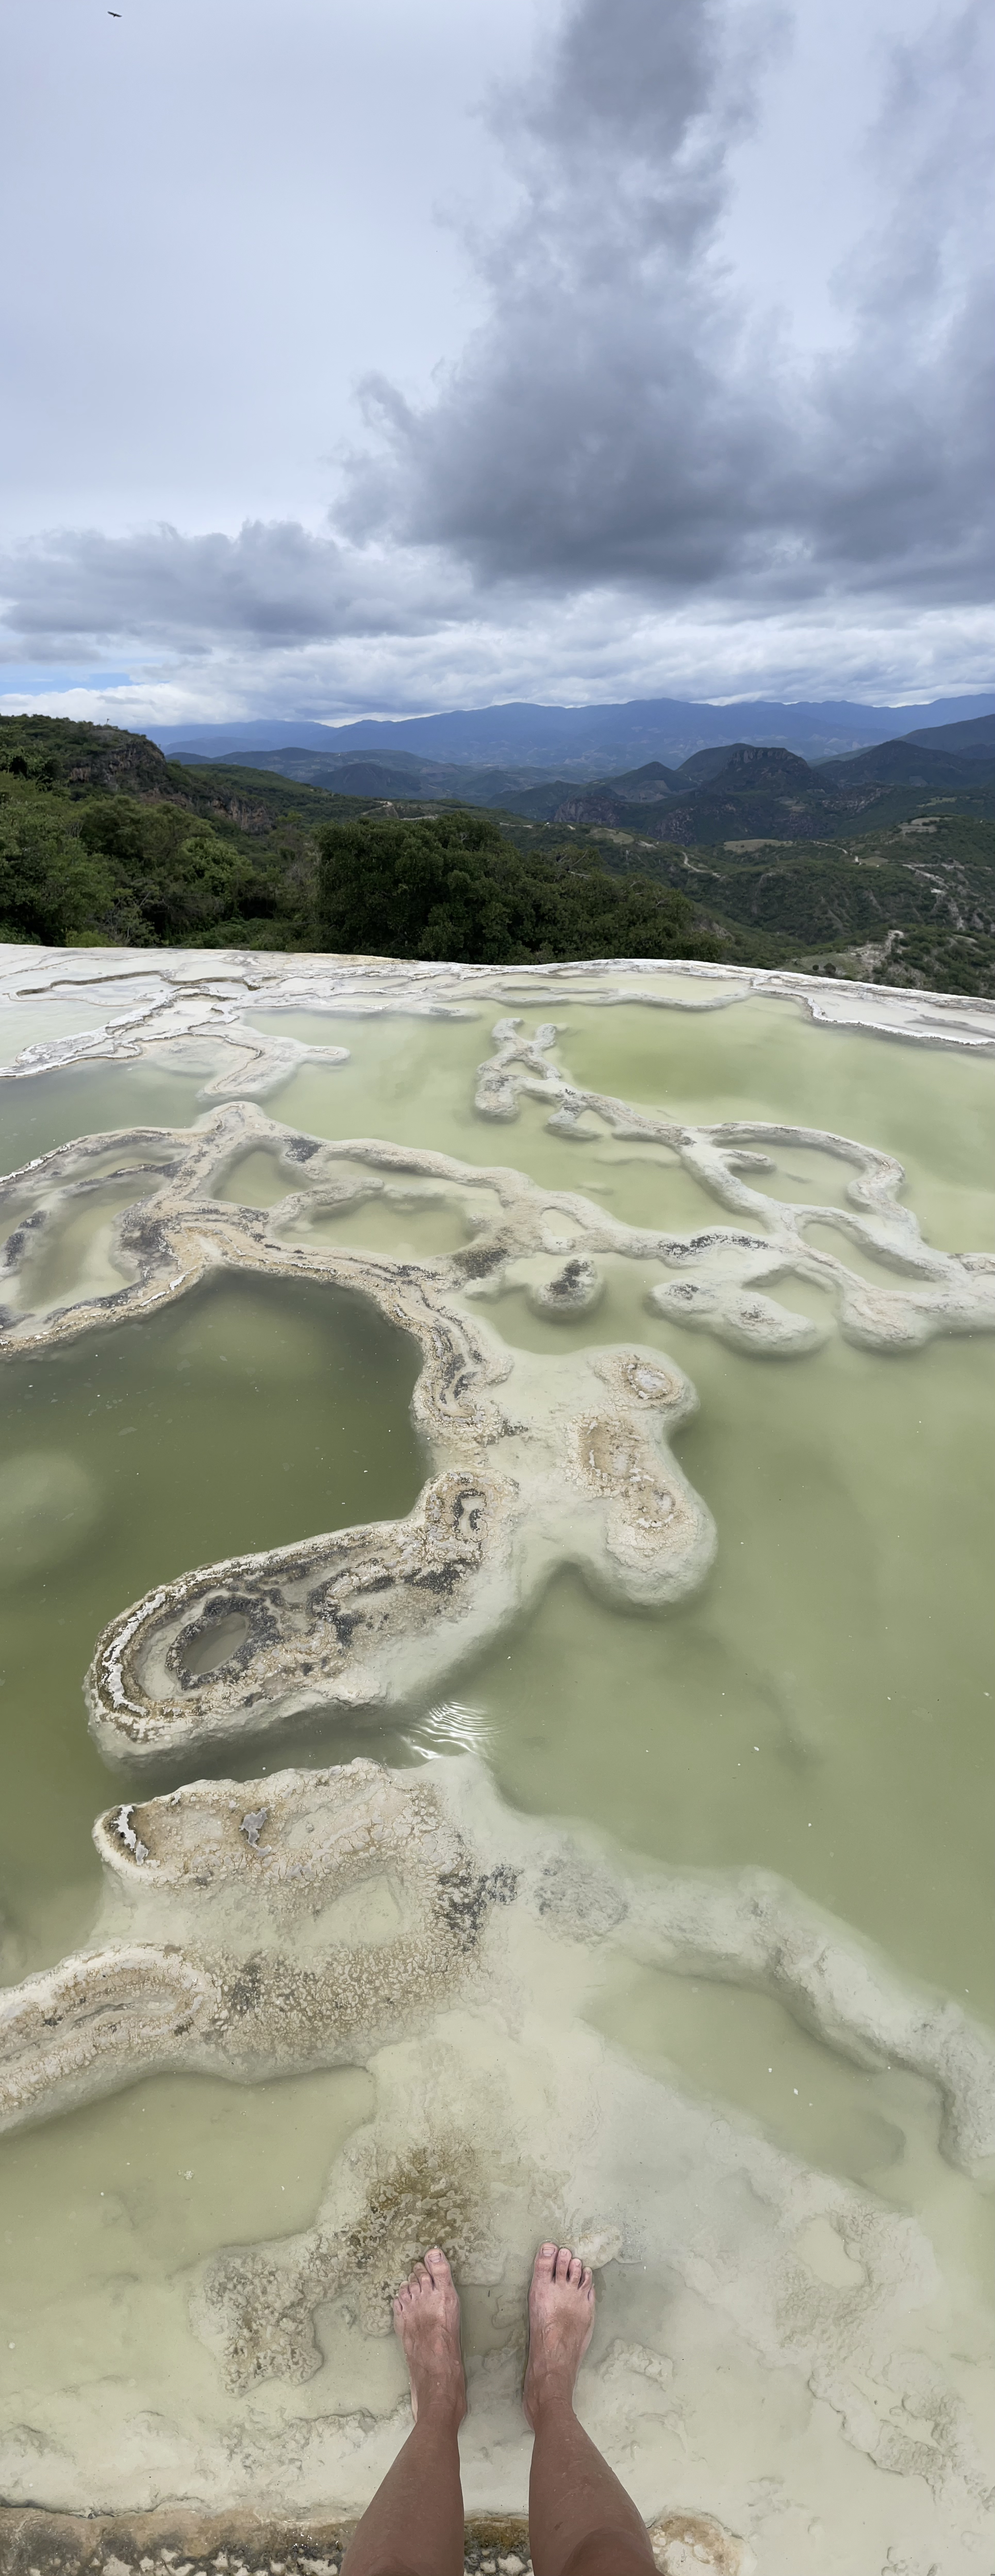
point(104, 841)
point(918, 899)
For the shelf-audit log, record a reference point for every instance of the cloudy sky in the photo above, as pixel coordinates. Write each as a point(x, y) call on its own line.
point(380, 359)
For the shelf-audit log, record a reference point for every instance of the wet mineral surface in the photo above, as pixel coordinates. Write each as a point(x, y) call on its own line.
point(535, 1631)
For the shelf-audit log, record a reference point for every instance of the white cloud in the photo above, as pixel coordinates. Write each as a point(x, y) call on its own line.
point(597, 646)
point(270, 588)
point(632, 481)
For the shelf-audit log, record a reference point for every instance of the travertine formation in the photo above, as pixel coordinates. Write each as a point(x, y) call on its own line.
point(407, 1922)
point(536, 1460)
point(411, 1923)
point(263, 1927)
point(35, 2543)
point(939, 1292)
point(190, 1008)
point(244, 1948)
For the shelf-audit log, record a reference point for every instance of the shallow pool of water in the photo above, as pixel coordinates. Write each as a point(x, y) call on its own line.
point(820, 1708)
point(824, 1705)
point(39, 1111)
point(251, 1414)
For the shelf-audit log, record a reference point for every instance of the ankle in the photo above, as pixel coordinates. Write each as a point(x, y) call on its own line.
point(550, 2396)
point(440, 2401)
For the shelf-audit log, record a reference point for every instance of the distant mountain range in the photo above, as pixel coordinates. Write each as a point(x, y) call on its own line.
point(727, 791)
point(573, 742)
point(746, 789)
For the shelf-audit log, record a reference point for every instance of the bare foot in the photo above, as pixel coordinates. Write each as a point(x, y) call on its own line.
point(426, 2316)
point(561, 2323)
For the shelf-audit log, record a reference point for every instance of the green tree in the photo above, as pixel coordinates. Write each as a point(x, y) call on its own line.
point(390, 888)
point(450, 886)
point(175, 878)
point(52, 889)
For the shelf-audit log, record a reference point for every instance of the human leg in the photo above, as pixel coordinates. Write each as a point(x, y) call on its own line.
point(581, 2522)
point(414, 2526)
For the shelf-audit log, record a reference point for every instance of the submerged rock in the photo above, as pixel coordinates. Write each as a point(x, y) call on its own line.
point(573, 1290)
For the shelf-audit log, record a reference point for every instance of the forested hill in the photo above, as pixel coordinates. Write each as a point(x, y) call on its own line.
point(102, 839)
point(876, 865)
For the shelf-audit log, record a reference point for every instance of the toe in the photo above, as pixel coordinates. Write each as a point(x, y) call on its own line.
point(545, 2263)
point(587, 2282)
point(561, 2267)
point(575, 2271)
point(437, 2266)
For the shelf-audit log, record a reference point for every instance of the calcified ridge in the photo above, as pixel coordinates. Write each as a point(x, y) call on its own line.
point(413, 1925)
point(537, 1461)
point(190, 1002)
point(409, 1923)
point(243, 1873)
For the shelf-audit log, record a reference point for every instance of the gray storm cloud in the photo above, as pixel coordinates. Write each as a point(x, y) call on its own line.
point(626, 421)
point(277, 584)
point(620, 416)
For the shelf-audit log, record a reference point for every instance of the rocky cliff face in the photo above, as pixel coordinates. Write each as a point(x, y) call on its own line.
point(92, 759)
point(82, 755)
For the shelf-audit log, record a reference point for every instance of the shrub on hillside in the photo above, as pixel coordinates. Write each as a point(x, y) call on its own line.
point(52, 890)
point(450, 886)
point(174, 877)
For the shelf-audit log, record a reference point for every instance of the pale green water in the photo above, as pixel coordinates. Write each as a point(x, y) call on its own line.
point(410, 1220)
point(42, 1110)
point(412, 1081)
point(246, 1416)
point(823, 1707)
point(255, 1180)
point(934, 1110)
point(845, 1632)
point(42, 1023)
point(845, 1629)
